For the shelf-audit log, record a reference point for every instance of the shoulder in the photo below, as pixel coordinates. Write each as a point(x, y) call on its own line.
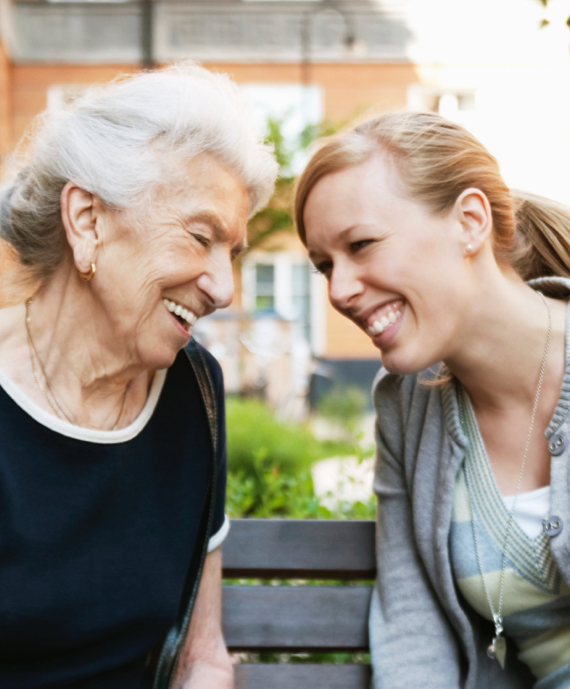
point(195, 350)
point(213, 366)
point(405, 404)
point(397, 394)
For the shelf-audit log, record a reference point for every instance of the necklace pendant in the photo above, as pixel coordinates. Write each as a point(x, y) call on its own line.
point(497, 650)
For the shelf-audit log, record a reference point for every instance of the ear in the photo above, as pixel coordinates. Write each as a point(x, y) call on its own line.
point(473, 211)
point(79, 218)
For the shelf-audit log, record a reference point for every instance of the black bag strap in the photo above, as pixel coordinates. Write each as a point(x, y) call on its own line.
point(170, 654)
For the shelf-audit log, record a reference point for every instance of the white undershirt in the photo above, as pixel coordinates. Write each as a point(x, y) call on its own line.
point(530, 510)
point(90, 435)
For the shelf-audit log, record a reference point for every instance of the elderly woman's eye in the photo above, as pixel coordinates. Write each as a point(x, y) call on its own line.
point(361, 244)
point(201, 238)
point(321, 268)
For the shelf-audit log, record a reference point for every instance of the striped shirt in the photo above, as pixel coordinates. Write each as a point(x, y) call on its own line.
point(536, 600)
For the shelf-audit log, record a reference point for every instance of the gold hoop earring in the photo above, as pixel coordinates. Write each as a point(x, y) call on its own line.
point(87, 276)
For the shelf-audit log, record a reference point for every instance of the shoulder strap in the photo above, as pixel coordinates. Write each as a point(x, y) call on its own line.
point(170, 654)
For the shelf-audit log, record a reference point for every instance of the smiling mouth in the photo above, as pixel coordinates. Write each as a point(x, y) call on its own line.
point(383, 318)
point(185, 317)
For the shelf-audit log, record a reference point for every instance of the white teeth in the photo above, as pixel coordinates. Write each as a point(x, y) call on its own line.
point(179, 310)
point(383, 322)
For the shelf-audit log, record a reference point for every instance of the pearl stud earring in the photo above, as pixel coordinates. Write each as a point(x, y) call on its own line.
point(469, 248)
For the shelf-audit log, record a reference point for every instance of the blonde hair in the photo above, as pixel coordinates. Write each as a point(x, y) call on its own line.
point(437, 160)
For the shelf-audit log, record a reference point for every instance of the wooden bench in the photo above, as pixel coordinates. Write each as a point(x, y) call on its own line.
point(299, 618)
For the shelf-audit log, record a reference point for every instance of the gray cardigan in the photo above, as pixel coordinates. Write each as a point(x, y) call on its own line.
point(422, 634)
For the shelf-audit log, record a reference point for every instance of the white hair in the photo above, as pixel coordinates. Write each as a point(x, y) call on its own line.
point(119, 141)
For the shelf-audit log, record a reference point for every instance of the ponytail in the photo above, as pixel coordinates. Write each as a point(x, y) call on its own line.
point(542, 245)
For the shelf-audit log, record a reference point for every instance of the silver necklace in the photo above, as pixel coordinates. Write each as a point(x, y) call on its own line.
point(497, 649)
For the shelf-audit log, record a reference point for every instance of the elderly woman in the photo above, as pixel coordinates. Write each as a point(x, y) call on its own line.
point(128, 210)
point(425, 249)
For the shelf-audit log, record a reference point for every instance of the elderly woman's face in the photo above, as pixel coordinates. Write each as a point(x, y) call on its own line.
point(177, 254)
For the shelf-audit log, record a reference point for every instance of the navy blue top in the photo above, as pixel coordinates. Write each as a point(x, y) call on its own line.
point(96, 539)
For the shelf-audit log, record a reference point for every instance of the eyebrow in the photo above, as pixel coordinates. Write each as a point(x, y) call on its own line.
point(342, 234)
point(220, 230)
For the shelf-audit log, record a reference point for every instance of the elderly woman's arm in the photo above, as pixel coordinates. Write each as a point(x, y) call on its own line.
point(205, 663)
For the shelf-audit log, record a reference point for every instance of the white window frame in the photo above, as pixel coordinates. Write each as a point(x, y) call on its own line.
point(419, 95)
point(59, 95)
point(283, 263)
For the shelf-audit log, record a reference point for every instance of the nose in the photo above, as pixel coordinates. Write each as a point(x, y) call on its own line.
point(217, 281)
point(344, 285)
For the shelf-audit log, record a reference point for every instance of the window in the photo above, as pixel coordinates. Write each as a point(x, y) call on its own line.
point(293, 105)
point(301, 297)
point(458, 105)
point(281, 283)
point(264, 287)
point(64, 94)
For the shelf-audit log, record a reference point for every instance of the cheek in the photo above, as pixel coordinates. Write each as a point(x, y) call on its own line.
point(181, 262)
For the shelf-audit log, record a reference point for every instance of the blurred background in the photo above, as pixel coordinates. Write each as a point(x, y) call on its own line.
point(298, 375)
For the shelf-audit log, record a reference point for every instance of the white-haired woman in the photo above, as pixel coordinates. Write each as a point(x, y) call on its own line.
point(127, 211)
point(427, 251)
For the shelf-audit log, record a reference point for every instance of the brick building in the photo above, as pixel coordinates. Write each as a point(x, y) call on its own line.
point(486, 64)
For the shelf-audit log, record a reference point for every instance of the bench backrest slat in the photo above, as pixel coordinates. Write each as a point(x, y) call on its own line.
point(296, 618)
point(300, 676)
point(304, 548)
point(304, 617)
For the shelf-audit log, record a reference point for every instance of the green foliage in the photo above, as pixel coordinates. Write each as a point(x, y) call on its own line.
point(269, 463)
point(343, 404)
point(300, 658)
point(257, 438)
point(269, 467)
point(276, 216)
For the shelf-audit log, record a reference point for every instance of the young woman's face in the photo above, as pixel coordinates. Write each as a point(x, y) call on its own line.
point(393, 267)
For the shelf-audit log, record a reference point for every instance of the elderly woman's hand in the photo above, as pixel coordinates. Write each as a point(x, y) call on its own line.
point(204, 662)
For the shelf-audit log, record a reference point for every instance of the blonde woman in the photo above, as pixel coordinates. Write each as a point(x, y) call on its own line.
point(464, 288)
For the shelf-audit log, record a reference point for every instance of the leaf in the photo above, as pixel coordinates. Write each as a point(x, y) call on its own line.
point(544, 23)
point(568, 22)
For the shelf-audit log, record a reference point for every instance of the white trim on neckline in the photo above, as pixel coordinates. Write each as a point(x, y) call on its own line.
point(89, 435)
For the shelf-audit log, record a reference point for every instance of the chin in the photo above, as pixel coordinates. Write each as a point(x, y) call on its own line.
point(159, 357)
point(404, 365)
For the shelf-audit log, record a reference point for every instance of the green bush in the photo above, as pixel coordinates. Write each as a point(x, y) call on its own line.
point(269, 466)
point(345, 405)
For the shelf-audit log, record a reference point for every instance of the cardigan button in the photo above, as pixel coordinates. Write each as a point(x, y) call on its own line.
point(557, 444)
point(552, 525)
